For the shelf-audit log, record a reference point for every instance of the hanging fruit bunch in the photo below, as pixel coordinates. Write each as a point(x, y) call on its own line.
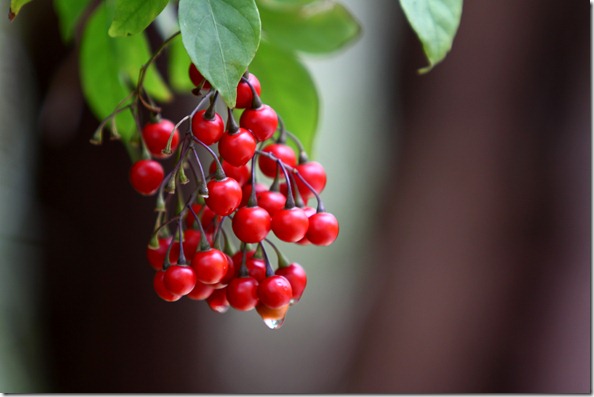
point(215, 217)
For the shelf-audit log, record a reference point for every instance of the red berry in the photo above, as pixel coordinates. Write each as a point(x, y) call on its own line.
point(244, 93)
point(210, 266)
point(275, 291)
point(251, 224)
point(156, 257)
point(161, 290)
point(242, 293)
point(240, 174)
point(156, 135)
point(200, 291)
point(238, 148)
point(290, 224)
point(197, 77)
point(297, 278)
point(209, 131)
point(179, 279)
point(256, 268)
point(217, 301)
point(281, 151)
point(314, 173)
point(224, 196)
point(229, 275)
point(323, 228)
point(271, 201)
point(146, 176)
point(262, 122)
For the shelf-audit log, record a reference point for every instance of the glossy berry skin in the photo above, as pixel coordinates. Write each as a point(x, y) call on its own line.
point(224, 196)
point(156, 135)
point(146, 176)
point(262, 121)
point(179, 279)
point(209, 131)
point(242, 293)
point(282, 152)
point(323, 229)
point(251, 224)
point(256, 268)
point(238, 148)
point(217, 301)
point(275, 291)
point(229, 274)
point(156, 257)
point(290, 225)
point(197, 77)
point(210, 266)
point(314, 173)
point(161, 290)
point(240, 174)
point(200, 291)
point(271, 201)
point(297, 278)
point(244, 93)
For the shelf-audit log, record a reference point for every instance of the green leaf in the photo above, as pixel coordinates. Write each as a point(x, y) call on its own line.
point(318, 27)
point(69, 13)
point(435, 22)
point(133, 16)
point(179, 63)
point(221, 38)
point(15, 8)
point(288, 87)
point(109, 69)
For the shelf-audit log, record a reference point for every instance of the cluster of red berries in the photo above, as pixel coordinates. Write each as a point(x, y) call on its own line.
point(199, 259)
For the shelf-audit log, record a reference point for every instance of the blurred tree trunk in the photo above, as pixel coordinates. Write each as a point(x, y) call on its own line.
point(485, 283)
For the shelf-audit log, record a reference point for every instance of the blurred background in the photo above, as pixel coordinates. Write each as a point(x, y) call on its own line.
point(463, 263)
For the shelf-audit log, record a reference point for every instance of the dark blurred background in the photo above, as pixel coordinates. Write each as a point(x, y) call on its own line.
point(464, 195)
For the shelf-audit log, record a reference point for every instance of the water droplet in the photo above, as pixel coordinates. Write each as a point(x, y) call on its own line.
point(274, 323)
point(221, 309)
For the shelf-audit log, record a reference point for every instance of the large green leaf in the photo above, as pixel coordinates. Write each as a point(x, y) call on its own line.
point(109, 68)
point(318, 27)
point(435, 22)
point(288, 87)
point(221, 38)
point(133, 16)
point(179, 63)
point(15, 7)
point(69, 13)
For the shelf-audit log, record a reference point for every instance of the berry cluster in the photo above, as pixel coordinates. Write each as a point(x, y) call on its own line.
point(224, 203)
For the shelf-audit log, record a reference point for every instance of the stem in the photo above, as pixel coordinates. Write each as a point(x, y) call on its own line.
point(282, 259)
point(290, 199)
point(269, 271)
point(252, 201)
point(182, 257)
point(210, 112)
point(219, 173)
point(204, 245)
point(232, 126)
point(321, 207)
point(202, 189)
